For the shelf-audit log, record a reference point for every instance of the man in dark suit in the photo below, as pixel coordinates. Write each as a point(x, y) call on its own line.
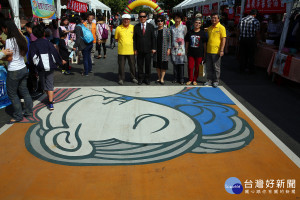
point(144, 45)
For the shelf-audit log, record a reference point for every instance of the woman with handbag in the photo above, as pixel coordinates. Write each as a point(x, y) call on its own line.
point(195, 48)
point(102, 36)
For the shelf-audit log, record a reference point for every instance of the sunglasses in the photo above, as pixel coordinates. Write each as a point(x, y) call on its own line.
point(197, 22)
point(160, 21)
point(142, 16)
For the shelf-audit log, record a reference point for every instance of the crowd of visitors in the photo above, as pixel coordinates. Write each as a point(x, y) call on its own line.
point(35, 53)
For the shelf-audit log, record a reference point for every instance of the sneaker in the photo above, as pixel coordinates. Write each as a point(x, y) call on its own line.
point(208, 83)
point(215, 84)
point(50, 106)
point(120, 82)
point(67, 72)
point(63, 71)
point(134, 81)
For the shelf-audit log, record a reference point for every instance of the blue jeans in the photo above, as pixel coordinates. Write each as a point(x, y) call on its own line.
point(87, 61)
point(17, 81)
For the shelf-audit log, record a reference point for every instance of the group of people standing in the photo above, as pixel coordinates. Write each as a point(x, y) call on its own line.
point(40, 50)
point(44, 48)
point(146, 41)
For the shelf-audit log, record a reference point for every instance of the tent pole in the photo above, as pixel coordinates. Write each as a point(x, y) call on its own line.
point(105, 16)
point(242, 8)
point(289, 7)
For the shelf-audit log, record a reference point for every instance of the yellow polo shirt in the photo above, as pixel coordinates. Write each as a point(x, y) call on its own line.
point(124, 35)
point(215, 34)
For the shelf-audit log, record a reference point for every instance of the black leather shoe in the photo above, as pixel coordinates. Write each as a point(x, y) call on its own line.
point(140, 83)
point(147, 82)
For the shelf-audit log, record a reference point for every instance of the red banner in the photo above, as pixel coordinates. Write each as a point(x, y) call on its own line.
point(265, 6)
point(215, 7)
point(206, 11)
point(77, 6)
point(230, 13)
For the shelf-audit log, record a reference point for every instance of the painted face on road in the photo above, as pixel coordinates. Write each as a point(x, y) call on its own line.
point(121, 126)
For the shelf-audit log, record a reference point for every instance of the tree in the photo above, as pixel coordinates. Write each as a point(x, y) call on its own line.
point(169, 5)
point(116, 5)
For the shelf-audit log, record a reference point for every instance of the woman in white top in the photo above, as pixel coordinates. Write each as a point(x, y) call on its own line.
point(17, 72)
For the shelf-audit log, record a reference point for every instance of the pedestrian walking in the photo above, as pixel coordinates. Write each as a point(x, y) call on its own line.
point(85, 48)
point(45, 59)
point(92, 27)
point(248, 35)
point(102, 36)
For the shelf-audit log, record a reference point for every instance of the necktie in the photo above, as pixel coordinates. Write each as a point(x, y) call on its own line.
point(143, 29)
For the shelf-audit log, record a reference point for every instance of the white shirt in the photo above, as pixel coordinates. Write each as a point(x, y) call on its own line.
point(144, 24)
point(17, 62)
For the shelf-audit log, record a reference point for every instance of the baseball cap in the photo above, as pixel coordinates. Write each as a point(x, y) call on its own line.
point(126, 16)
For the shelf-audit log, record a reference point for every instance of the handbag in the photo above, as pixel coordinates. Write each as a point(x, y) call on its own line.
point(202, 69)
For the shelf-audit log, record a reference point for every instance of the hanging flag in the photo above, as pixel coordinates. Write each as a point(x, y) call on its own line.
point(43, 9)
point(77, 6)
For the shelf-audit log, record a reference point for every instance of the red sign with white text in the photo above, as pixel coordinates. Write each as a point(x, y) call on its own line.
point(215, 7)
point(77, 6)
point(206, 11)
point(265, 6)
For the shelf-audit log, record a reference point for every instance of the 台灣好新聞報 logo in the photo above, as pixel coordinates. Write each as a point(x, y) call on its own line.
point(233, 186)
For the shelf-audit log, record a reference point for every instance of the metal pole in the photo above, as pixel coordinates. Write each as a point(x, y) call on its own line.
point(242, 8)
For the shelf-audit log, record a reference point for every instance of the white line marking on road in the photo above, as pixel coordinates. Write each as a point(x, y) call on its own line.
point(7, 126)
point(264, 129)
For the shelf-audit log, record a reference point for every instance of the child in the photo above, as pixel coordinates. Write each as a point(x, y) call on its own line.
point(45, 58)
point(64, 53)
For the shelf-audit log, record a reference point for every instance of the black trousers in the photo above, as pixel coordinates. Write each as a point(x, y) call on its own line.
point(99, 48)
point(141, 59)
point(178, 72)
point(247, 53)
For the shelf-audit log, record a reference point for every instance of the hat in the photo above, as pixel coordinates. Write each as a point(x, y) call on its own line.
point(126, 16)
point(198, 15)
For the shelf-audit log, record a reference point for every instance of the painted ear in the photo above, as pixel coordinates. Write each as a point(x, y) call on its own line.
point(66, 142)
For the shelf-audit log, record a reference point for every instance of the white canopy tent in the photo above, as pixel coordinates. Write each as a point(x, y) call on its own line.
point(193, 3)
point(94, 5)
point(179, 6)
point(15, 6)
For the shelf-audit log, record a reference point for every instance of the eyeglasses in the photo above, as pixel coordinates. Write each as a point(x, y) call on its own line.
point(159, 21)
point(143, 16)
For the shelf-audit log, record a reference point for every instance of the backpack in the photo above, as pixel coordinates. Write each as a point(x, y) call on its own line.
point(104, 33)
point(87, 34)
